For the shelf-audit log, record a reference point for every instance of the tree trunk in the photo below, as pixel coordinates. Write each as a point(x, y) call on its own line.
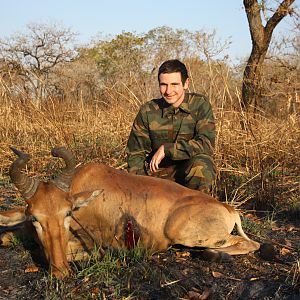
point(251, 89)
point(261, 37)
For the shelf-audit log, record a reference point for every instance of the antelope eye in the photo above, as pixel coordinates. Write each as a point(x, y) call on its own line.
point(33, 219)
point(69, 213)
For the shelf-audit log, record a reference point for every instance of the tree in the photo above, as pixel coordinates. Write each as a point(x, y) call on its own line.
point(118, 56)
point(36, 53)
point(261, 37)
point(119, 62)
point(281, 75)
point(162, 43)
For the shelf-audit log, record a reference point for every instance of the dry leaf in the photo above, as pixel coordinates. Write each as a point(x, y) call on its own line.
point(186, 271)
point(118, 264)
point(75, 289)
point(253, 218)
point(95, 290)
point(287, 228)
point(284, 251)
point(7, 238)
point(290, 228)
point(194, 294)
point(217, 274)
point(180, 259)
point(32, 269)
point(250, 216)
point(205, 294)
point(254, 278)
point(287, 243)
point(183, 254)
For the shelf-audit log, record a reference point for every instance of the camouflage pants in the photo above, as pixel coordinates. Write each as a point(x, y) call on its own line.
point(197, 173)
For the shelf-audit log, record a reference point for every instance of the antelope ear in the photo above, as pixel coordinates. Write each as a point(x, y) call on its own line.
point(84, 198)
point(12, 217)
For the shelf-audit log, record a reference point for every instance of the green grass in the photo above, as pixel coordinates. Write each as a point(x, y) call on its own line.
point(99, 277)
point(294, 206)
point(296, 274)
point(259, 228)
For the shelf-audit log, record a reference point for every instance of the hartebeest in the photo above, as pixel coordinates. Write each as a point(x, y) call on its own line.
point(95, 203)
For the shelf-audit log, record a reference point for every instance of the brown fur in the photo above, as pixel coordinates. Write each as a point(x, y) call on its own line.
point(104, 200)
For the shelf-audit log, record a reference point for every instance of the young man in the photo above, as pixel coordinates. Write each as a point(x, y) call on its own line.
point(173, 137)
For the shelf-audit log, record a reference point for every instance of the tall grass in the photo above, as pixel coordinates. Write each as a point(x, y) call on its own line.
point(257, 155)
point(99, 277)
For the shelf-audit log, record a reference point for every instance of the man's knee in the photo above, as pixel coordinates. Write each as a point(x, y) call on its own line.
point(200, 173)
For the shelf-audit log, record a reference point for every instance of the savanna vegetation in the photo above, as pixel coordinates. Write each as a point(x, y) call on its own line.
point(53, 93)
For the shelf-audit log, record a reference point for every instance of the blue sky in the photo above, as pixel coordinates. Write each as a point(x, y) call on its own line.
point(89, 17)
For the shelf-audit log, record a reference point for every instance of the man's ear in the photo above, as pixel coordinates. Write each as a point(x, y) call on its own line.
point(84, 198)
point(12, 217)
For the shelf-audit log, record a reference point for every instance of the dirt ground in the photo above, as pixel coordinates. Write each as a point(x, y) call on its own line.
point(179, 273)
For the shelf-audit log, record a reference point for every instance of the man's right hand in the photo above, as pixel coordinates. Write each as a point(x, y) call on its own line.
point(157, 158)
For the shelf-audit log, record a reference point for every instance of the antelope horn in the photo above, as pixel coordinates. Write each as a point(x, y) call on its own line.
point(26, 185)
point(63, 181)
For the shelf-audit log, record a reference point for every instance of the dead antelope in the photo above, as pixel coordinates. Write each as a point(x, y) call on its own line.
point(95, 203)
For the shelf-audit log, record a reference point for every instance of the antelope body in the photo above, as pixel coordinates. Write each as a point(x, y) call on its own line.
point(98, 204)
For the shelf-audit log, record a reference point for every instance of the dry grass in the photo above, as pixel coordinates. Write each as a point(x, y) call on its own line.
point(257, 158)
point(91, 132)
point(260, 161)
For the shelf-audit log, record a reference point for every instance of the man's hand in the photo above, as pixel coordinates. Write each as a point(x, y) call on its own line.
point(157, 158)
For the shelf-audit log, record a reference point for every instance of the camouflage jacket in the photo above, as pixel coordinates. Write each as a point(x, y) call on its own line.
point(185, 132)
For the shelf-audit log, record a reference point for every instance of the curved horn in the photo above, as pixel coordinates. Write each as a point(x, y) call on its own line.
point(63, 181)
point(26, 185)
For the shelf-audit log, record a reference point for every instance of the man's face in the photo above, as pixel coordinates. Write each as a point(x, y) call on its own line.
point(171, 88)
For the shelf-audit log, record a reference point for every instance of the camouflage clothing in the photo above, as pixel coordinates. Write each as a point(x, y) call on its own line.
point(188, 136)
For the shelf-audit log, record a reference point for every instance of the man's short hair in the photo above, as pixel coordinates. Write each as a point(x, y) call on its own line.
point(174, 66)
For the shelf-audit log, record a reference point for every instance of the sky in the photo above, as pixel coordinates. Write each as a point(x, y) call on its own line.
point(88, 18)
